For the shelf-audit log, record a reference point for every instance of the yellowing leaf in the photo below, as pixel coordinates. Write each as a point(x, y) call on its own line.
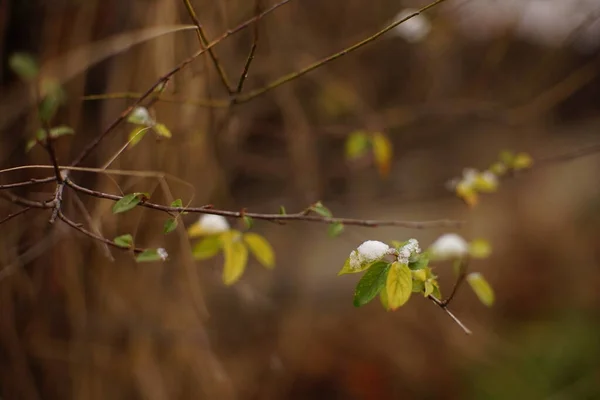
point(206, 248)
point(357, 144)
point(260, 248)
point(136, 135)
point(428, 289)
point(480, 248)
point(236, 257)
point(398, 285)
point(382, 151)
point(522, 161)
point(420, 275)
point(482, 288)
point(162, 131)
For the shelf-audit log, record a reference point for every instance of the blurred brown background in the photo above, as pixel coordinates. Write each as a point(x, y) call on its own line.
point(490, 75)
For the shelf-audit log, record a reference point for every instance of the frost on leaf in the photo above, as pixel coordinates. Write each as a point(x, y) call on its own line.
point(140, 116)
point(208, 224)
point(367, 253)
point(410, 248)
point(449, 246)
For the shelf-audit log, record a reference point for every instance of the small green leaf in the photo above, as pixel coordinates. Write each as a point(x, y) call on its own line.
point(371, 283)
point(335, 229)
point(260, 248)
point(419, 261)
point(429, 288)
point(61, 130)
point(150, 255)
point(24, 65)
point(128, 202)
point(207, 248)
point(124, 241)
point(357, 144)
point(30, 145)
point(282, 210)
point(320, 209)
point(398, 285)
point(177, 203)
point(136, 135)
point(54, 97)
point(170, 225)
point(382, 151)
point(522, 161)
point(480, 248)
point(162, 131)
point(236, 257)
point(481, 287)
point(248, 222)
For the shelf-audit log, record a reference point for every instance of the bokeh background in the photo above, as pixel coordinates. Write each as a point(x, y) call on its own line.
point(477, 77)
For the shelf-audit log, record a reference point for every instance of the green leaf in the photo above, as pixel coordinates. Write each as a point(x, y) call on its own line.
point(128, 202)
point(418, 286)
point(54, 97)
point(207, 248)
point(347, 269)
point(136, 135)
point(162, 131)
point(384, 299)
point(507, 157)
point(61, 130)
point(398, 244)
point(357, 144)
point(282, 210)
point(382, 151)
point(177, 203)
point(480, 248)
point(481, 287)
point(248, 222)
point(419, 261)
point(124, 241)
point(170, 225)
point(24, 65)
point(320, 209)
point(236, 257)
point(398, 285)
point(429, 288)
point(30, 145)
point(150, 255)
point(260, 248)
point(335, 229)
point(371, 283)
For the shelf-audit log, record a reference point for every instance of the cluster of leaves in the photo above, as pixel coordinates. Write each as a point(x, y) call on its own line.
point(49, 95)
point(216, 237)
point(474, 182)
point(402, 269)
point(144, 122)
point(361, 143)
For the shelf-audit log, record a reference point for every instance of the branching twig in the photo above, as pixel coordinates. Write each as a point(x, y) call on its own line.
point(445, 308)
point(250, 58)
point(15, 214)
point(462, 273)
point(204, 46)
point(301, 216)
point(27, 183)
point(165, 78)
point(13, 198)
point(81, 229)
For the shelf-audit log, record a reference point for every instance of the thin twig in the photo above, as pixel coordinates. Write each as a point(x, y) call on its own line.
point(163, 80)
point(301, 216)
point(462, 273)
point(15, 214)
point(294, 75)
point(13, 198)
point(445, 308)
point(250, 58)
point(81, 229)
point(27, 183)
point(204, 46)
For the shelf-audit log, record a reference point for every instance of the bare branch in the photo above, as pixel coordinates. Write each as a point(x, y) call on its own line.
point(301, 216)
point(15, 214)
point(250, 58)
point(27, 183)
point(445, 308)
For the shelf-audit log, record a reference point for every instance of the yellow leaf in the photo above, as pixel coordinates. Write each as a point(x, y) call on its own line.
point(382, 151)
point(260, 249)
point(428, 289)
point(480, 248)
point(356, 144)
point(236, 257)
point(136, 135)
point(162, 131)
point(398, 285)
point(420, 275)
point(195, 230)
point(206, 248)
point(482, 288)
point(522, 161)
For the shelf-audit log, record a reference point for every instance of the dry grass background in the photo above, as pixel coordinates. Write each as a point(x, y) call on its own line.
point(74, 324)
